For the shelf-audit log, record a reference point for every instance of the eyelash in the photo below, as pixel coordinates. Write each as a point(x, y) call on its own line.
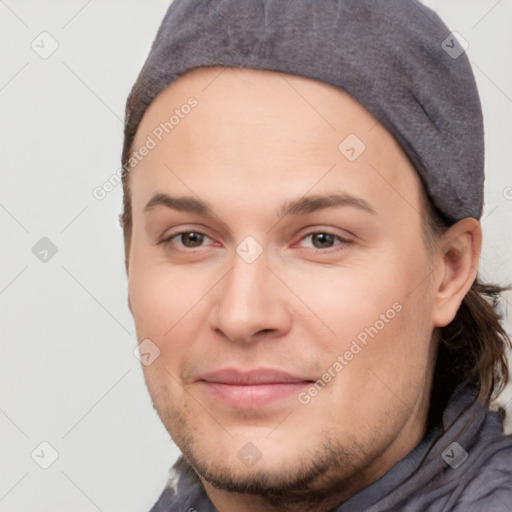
point(167, 241)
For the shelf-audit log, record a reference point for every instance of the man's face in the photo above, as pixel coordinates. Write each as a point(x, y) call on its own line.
point(295, 350)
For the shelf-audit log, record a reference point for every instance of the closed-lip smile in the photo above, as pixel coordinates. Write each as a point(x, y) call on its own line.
point(251, 389)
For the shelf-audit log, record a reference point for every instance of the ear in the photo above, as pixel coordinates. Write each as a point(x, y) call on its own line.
point(457, 259)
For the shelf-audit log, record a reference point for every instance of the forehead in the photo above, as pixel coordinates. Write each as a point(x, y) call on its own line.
point(252, 99)
point(256, 127)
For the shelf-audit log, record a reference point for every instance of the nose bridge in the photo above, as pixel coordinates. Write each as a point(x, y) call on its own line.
point(248, 301)
point(245, 286)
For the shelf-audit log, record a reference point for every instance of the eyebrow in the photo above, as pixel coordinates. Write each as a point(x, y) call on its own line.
point(185, 204)
point(313, 203)
point(301, 206)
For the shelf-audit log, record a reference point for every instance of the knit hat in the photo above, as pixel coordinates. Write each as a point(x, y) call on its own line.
point(396, 57)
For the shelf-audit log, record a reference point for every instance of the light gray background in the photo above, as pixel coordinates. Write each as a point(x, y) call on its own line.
point(68, 373)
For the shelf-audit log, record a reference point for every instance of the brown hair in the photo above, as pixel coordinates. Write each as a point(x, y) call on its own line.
point(472, 347)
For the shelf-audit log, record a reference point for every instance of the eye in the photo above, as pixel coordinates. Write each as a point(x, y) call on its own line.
point(325, 240)
point(188, 239)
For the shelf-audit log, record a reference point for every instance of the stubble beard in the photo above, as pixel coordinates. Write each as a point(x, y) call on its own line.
point(318, 475)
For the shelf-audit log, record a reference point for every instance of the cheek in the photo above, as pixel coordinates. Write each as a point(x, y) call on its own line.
point(170, 305)
point(165, 307)
point(383, 306)
point(160, 295)
point(345, 300)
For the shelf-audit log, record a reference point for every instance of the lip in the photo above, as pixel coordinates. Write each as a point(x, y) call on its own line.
point(252, 389)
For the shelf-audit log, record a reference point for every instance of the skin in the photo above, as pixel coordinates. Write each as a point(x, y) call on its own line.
point(256, 140)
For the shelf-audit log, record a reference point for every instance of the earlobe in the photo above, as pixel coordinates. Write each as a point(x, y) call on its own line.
point(459, 256)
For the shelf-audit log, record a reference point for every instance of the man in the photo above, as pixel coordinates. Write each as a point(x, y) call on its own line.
point(303, 183)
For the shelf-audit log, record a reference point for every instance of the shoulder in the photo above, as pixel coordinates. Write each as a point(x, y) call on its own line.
point(487, 481)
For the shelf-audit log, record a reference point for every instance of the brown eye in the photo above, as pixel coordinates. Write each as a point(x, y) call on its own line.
point(191, 239)
point(324, 240)
point(185, 239)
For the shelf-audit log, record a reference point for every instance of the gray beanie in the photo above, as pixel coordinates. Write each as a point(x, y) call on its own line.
point(396, 57)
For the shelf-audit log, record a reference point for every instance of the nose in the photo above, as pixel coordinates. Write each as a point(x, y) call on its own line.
point(250, 302)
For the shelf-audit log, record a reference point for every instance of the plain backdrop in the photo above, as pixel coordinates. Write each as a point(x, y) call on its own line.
point(69, 378)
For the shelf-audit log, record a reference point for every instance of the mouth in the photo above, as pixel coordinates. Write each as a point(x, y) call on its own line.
point(252, 389)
